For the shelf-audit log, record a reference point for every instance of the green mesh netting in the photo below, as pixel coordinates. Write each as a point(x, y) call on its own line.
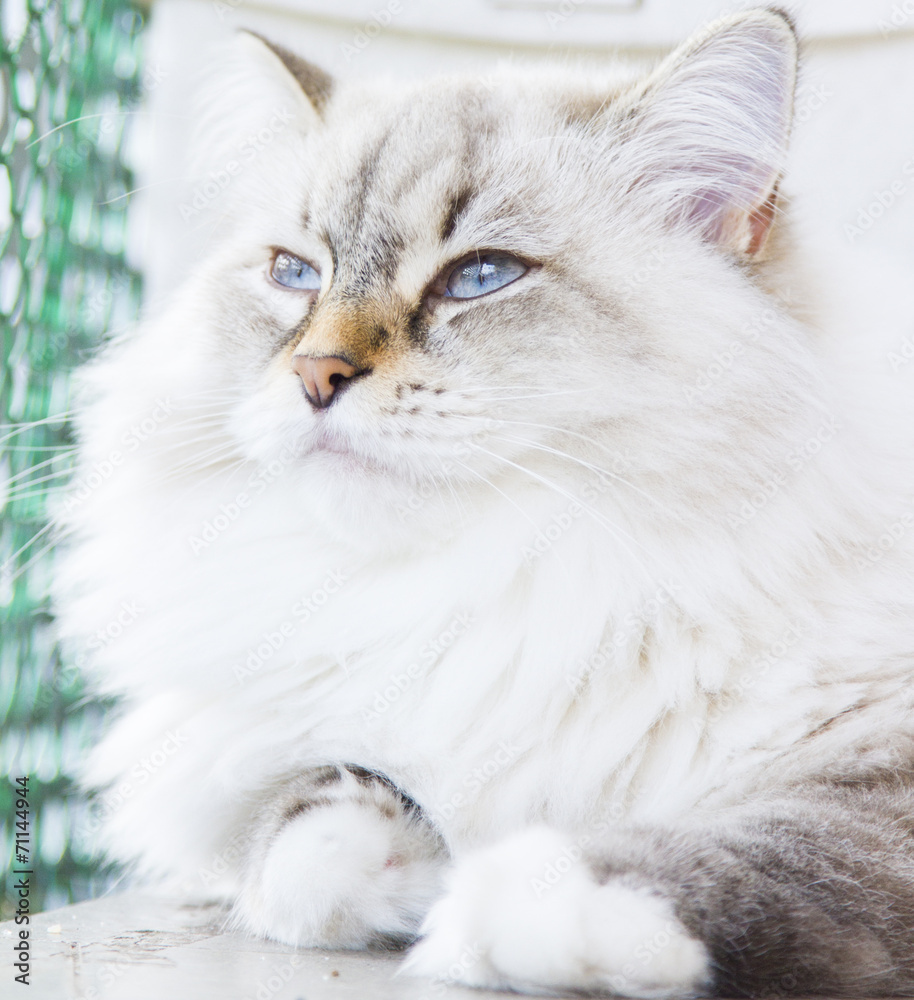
point(68, 81)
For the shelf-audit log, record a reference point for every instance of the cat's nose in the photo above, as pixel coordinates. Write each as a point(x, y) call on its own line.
point(322, 377)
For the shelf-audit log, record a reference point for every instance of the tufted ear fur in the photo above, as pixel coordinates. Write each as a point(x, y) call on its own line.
point(256, 85)
point(315, 84)
point(709, 130)
point(257, 96)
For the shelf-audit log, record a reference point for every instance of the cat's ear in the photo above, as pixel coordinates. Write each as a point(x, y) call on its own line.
point(307, 85)
point(253, 97)
point(711, 127)
point(304, 82)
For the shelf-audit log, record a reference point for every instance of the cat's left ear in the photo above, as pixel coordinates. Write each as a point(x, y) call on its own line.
point(307, 84)
point(711, 127)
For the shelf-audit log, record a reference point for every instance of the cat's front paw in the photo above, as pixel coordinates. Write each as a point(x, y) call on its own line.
point(346, 864)
point(527, 915)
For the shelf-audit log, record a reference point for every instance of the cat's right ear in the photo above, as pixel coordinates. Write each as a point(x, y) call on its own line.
point(245, 126)
point(307, 85)
point(708, 133)
point(253, 94)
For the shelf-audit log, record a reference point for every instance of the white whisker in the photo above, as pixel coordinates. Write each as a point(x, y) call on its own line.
point(536, 527)
point(36, 482)
point(61, 448)
point(600, 519)
point(34, 468)
point(594, 468)
point(26, 566)
point(46, 491)
point(57, 418)
point(11, 559)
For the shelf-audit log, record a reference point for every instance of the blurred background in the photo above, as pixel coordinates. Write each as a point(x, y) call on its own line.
point(70, 77)
point(95, 184)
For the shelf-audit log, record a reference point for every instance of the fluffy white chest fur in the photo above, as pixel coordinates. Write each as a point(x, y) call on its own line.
point(492, 454)
point(559, 655)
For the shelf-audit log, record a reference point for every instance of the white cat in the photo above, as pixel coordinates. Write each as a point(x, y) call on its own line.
point(500, 550)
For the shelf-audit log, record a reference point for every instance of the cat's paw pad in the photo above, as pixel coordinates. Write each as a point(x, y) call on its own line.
point(527, 914)
point(345, 870)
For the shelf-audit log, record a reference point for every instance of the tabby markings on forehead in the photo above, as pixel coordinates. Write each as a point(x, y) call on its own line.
point(456, 207)
point(364, 178)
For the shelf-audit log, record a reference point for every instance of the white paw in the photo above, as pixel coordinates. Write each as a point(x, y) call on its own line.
point(502, 925)
point(343, 874)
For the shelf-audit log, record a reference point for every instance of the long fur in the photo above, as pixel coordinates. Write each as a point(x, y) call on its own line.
point(604, 547)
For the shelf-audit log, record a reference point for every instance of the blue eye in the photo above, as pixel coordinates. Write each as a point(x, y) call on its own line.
point(293, 272)
point(482, 274)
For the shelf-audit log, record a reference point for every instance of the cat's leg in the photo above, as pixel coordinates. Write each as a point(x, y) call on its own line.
point(342, 859)
point(529, 914)
point(808, 895)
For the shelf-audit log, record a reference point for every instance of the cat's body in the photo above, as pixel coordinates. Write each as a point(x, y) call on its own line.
point(592, 561)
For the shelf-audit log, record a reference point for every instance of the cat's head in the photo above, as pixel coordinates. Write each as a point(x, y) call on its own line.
point(445, 280)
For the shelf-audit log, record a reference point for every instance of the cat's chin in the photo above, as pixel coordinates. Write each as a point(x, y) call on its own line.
point(361, 498)
point(328, 446)
point(327, 443)
point(343, 457)
point(339, 470)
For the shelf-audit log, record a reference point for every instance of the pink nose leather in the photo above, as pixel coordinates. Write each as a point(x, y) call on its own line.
point(321, 377)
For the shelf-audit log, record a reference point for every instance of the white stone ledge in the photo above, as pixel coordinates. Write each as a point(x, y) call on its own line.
point(133, 946)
